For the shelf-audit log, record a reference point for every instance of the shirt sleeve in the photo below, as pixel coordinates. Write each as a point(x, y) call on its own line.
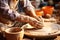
point(28, 4)
point(6, 12)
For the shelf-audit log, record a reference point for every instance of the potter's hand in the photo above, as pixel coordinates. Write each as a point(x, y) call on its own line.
point(39, 19)
point(34, 22)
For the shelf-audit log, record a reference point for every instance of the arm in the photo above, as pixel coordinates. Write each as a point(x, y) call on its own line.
point(29, 9)
point(6, 12)
point(32, 21)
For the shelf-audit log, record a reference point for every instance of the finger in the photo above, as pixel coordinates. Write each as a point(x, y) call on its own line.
point(38, 18)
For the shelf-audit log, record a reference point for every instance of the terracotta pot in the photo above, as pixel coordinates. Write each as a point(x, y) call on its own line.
point(14, 33)
point(48, 10)
point(39, 13)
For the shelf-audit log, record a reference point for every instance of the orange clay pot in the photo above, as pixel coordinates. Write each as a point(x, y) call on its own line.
point(39, 13)
point(48, 10)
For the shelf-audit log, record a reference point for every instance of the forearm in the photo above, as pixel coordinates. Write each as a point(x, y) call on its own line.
point(28, 8)
point(27, 19)
point(30, 11)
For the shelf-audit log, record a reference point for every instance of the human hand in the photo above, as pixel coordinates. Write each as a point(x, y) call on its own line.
point(39, 19)
point(34, 22)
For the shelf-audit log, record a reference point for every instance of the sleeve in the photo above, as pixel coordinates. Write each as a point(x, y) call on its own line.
point(28, 4)
point(6, 12)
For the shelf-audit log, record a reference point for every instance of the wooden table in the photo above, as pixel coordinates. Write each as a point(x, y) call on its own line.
point(55, 38)
point(26, 38)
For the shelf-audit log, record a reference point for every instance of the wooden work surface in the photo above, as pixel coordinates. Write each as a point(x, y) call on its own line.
point(27, 38)
point(56, 38)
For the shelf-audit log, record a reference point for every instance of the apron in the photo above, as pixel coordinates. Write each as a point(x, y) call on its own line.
point(8, 21)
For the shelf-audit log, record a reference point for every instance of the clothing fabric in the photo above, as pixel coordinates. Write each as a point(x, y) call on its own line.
point(5, 10)
point(8, 13)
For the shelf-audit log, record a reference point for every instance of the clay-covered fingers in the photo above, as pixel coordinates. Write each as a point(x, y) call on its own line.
point(35, 23)
point(36, 17)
